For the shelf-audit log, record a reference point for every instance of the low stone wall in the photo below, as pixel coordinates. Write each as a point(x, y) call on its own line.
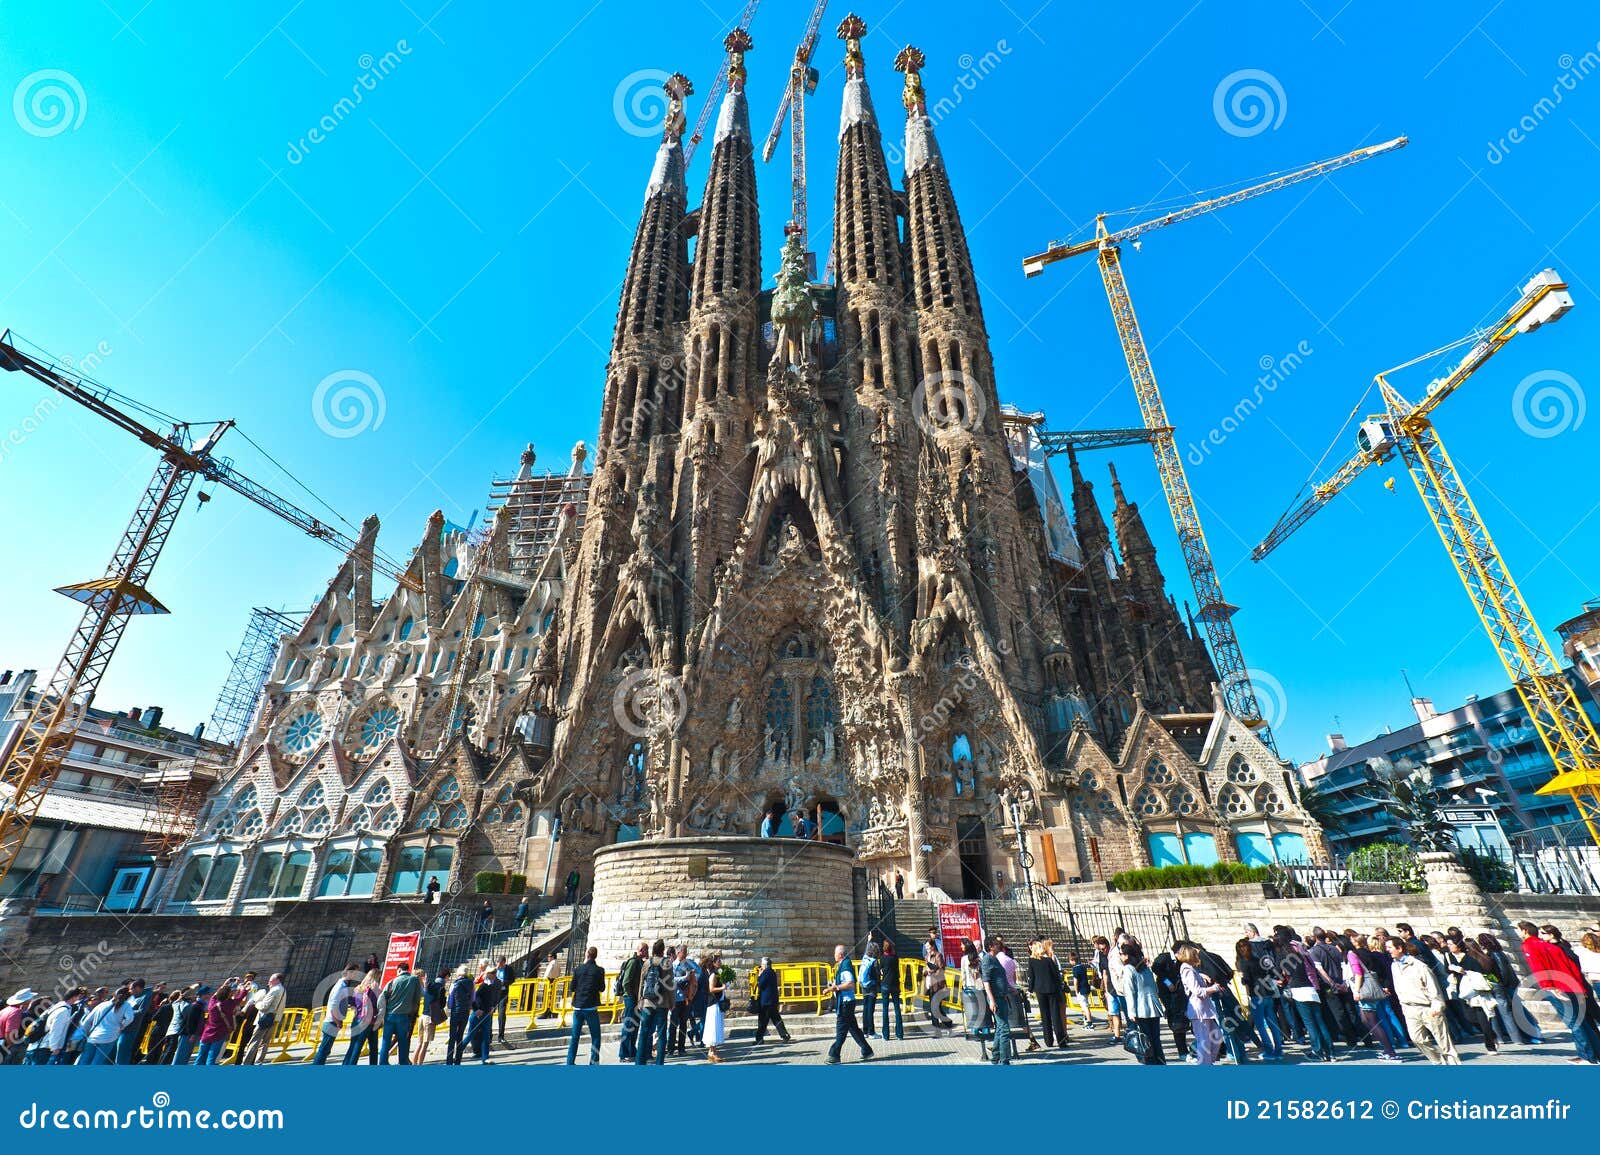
point(103, 949)
point(745, 897)
point(1216, 914)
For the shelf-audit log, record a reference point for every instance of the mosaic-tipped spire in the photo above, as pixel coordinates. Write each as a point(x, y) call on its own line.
point(851, 29)
point(911, 62)
point(678, 87)
point(737, 43)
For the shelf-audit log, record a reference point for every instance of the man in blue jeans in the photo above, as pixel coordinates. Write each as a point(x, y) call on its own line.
point(401, 999)
point(655, 999)
point(998, 990)
point(628, 988)
point(588, 983)
point(843, 989)
point(338, 1010)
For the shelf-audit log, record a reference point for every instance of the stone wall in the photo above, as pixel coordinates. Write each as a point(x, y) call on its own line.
point(1216, 914)
point(104, 949)
point(746, 897)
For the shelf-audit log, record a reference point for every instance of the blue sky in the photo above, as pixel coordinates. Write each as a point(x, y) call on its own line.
point(459, 237)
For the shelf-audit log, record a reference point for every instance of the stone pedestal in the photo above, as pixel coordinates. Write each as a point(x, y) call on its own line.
point(745, 897)
point(1456, 899)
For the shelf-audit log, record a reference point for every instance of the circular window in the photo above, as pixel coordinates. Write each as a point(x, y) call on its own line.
point(513, 813)
point(303, 732)
point(379, 726)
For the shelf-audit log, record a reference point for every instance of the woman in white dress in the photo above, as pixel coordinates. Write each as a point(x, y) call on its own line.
point(716, 999)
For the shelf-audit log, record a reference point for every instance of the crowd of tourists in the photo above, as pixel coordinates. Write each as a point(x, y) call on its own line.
point(1376, 993)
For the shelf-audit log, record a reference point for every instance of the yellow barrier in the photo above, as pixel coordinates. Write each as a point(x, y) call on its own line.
point(287, 1031)
point(912, 971)
point(610, 1004)
point(799, 982)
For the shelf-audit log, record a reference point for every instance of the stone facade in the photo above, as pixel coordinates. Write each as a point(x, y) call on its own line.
point(809, 572)
point(746, 897)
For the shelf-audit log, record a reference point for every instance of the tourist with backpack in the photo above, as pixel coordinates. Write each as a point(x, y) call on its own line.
point(47, 1035)
point(656, 1000)
point(459, 1006)
point(685, 980)
point(870, 981)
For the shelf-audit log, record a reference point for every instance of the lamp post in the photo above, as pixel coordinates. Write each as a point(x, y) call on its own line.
point(1024, 858)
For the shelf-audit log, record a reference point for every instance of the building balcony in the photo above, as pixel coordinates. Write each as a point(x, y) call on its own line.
point(1379, 824)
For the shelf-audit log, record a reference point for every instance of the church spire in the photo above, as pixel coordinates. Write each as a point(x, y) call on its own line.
point(728, 252)
point(866, 234)
point(941, 263)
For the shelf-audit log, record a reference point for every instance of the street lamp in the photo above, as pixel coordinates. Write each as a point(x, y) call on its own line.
point(1024, 857)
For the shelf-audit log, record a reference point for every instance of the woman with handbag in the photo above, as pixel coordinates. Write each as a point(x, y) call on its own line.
point(1142, 1039)
point(1300, 979)
point(1202, 994)
point(934, 983)
point(1471, 982)
point(1370, 997)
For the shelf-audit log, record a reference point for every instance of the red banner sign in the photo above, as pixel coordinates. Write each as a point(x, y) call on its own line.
point(957, 921)
point(402, 949)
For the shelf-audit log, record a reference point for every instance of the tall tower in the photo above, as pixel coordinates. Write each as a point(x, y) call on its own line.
point(723, 354)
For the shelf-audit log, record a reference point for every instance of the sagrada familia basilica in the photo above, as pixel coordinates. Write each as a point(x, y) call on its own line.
point(817, 569)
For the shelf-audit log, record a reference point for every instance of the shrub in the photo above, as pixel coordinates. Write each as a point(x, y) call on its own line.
point(489, 882)
point(1387, 862)
point(1217, 874)
point(1489, 871)
point(519, 884)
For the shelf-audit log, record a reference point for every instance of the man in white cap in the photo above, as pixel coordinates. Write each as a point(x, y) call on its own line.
point(12, 1025)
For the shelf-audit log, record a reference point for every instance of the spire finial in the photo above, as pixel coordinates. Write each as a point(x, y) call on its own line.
point(678, 87)
point(910, 61)
point(851, 29)
point(1116, 486)
point(737, 43)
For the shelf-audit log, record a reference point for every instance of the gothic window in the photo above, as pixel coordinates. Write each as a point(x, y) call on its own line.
point(1148, 802)
point(494, 814)
point(303, 732)
point(245, 799)
point(428, 819)
point(819, 719)
point(1090, 782)
point(1107, 806)
point(449, 790)
point(513, 814)
point(252, 824)
point(504, 796)
point(1158, 774)
point(224, 824)
point(291, 823)
point(1241, 772)
point(313, 796)
point(380, 793)
point(1268, 801)
point(1234, 803)
point(334, 633)
point(1183, 801)
point(379, 726)
point(455, 818)
point(319, 823)
point(388, 820)
point(780, 720)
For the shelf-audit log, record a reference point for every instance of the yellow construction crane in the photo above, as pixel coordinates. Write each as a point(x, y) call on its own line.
point(1214, 611)
point(111, 600)
point(1407, 429)
point(802, 83)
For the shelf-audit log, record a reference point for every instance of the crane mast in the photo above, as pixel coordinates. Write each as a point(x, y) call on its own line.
point(1553, 707)
point(1215, 613)
point(121, 593)
point(802, 82)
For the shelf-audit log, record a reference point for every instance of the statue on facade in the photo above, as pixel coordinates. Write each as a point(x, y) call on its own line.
point(794, 306)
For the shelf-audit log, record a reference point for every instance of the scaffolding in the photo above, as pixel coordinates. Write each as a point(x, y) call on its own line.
point(236, 702)
point(536, 503)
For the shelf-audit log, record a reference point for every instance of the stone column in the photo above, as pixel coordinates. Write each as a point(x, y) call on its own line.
point(1456, 899)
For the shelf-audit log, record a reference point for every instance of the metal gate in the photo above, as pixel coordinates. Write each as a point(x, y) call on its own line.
point(311, 961)
point(455, 936)
point(578, 936)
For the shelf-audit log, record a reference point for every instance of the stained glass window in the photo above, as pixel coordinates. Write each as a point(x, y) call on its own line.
point(303, 732)
point(379, 726)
